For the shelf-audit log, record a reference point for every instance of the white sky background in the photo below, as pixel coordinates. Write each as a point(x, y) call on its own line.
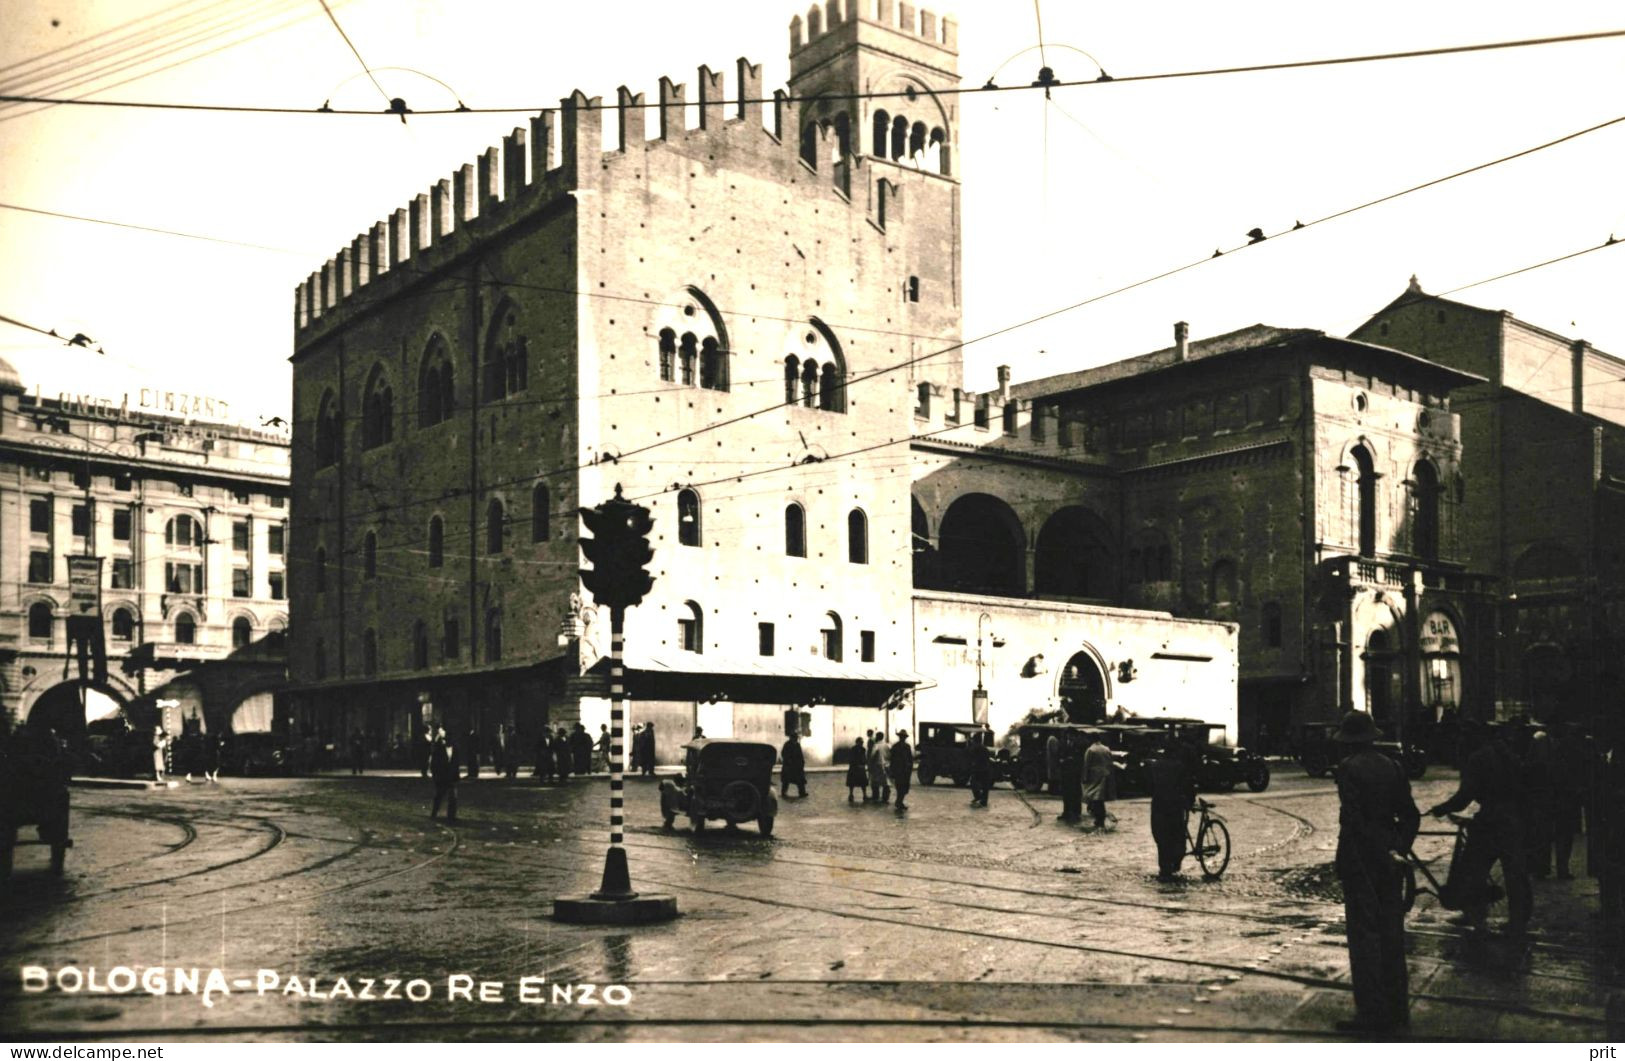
point(1136, 178)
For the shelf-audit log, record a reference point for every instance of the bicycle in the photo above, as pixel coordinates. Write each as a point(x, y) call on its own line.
point(1494, 890)
point(1211, 842)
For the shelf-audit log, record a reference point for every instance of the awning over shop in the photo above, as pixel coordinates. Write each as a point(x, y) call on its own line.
point(764, 679)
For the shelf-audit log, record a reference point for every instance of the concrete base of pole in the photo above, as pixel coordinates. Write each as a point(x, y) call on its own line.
point(586, 910)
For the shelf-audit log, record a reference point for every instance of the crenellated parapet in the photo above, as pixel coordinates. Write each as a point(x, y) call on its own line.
point(562, 150)
point(996, 420)
point(901, 17)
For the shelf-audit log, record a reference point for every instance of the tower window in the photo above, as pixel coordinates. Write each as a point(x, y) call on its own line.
point(795, 531)
point(688, 518)
point(764, 639)
point(913, 289)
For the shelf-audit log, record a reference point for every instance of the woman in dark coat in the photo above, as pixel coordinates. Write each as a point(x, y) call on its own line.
point(857, 772)
point(795, 768)
point(581, 749)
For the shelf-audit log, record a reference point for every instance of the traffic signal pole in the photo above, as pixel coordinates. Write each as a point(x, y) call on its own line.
point(618, 579)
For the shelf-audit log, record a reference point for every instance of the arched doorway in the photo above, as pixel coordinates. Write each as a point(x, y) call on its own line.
point(1083, 689)
point(60, 708)
point(1382, 678)
point(982, 548)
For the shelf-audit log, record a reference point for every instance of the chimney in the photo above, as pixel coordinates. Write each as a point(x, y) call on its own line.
point(1182, 341)
point(1004, 384)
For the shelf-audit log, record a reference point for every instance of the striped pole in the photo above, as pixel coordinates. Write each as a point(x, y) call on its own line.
point(617, 883)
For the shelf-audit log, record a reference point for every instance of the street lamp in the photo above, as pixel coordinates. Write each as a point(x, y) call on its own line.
point(978, 696)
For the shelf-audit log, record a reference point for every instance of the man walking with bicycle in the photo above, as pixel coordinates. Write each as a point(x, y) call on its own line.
point(1376, 819)
point(1491, 778)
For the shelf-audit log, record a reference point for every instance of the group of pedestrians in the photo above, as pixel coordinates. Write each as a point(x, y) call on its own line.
point(1081, 774)
point(562, 753)
point(877, 767)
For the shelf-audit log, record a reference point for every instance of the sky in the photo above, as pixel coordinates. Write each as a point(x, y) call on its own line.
point(1065, 198)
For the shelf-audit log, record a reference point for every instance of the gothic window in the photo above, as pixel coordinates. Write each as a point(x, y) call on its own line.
point(809, 144)
point(493, 527)
point(711, 365)
point(541, 514)
point(792, 373)
point(437, 541)
point(436, 386)
point(377, 410)
point(688, 518)
point(369, 556)
point(916, 143)
point(843, 135)
point(830, 636)
point(936, 152)
point(1424, 510)
point(1366, 484)
point(327, 431)
point(829, 388)
point(507, 356)
point(882, 133)
point(857, 537)
point(899, 139)
point(688, 355)
point(668, 355)
point(795, 531)
point(809, 383)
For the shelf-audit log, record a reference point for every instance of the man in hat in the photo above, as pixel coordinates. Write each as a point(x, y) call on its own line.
point(794, 771)
point(902, 767)
point(1491, 777)
point(1099, 781)
point(1173, 791)
point(1376, 819)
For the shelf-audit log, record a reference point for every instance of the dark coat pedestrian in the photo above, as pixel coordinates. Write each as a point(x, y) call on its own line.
point(444, 767)
point(1173, 791)
point(981, 771)
point(902, 767)
point(544, 755)
point(1099, 781)
point(581, 749)
point(561, 754)
point(1071, 767)
point(857, 772)
point(358, 753)
point(1491, 777)
point(648, 764)
point(1376, 820)
point(510, 753)
point(794, 770)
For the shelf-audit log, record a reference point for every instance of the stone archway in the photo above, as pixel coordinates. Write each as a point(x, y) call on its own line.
point(981, 547)
point(60, 708)
point(1082, 689)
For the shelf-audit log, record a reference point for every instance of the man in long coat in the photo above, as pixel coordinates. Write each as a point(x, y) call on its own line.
point(901, 765)
point(443, 767)
point(794, 771)
point(1173, 790)
point(1491, 777)
point(1071, 781)
point(1099, 780)
point(1376, 820)
point(981, 770)
point(648, 749)
point(879, 769)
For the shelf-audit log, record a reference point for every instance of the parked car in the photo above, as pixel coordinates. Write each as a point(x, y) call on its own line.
point(724, 779)
point(1222, 767)
point(1030, 768)
point(1319, 753)
point(112, 748)
point(253, 754)
point(944, 751)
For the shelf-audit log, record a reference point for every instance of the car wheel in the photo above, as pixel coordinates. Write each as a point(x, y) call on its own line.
point(927, 777)
point(1031, 777)
point(766, 825)
point(1316, 764)
point(1258, 777)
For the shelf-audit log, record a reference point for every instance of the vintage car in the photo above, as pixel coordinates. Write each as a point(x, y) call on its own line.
point(1222, 768)
point(1319, 753)
point(726, 779)
point(944, 751)
point(253, 754)
point(1030, 768)
point(34, 771)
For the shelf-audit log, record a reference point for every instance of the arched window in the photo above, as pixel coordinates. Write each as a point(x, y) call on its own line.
point(183, 532)
point(507, 356)
point(792, 373)
point(437, 541)
point(377, 410)
point(541, 513)
point(123, 625)
point(830, 636)
point(882, 133)
point(668, 355)
point(1270, 616)
point(1222, 584)
point(712, 365)
point(936, 152)
point(242, 632)
point(822, 368)
point(1424, 510)
point(809, 383)
point(829, 388)
point(687, 353)
point(691, 628)
point(916, 143)
point(809, 144)
point(327, 431)
point(420, 645)
point(321, 570)
point(185, 629)
point(982, 547)
point(1366, 483)
point(795, 531)
point(40, 619)
point(436, 386)
point(899, 138)
point(857, 537)
point(493, 527)
point(493, 635)
point(369, 651)
point(369, 556)
point(688, 518)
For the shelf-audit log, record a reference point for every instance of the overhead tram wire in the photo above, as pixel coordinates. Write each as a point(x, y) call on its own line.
point(148, 228)
point(367, 69)
point(1103, 79)
point(76, 54)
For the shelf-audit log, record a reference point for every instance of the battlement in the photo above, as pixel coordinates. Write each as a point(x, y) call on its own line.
point(997, 420)
point(898, 15)
point(559, 152)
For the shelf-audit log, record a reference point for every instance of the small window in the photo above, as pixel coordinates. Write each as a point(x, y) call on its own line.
point(183, 578)
point(369, 556)
point(81, 479)
point(240, 582)
point(81, 520)
point(123, 573)
point(277, 500)
point(691, 629)
point(277, 539)
point(541, 513)
point(866, 646)
point(981, 413)
point(40, 619)
point(1010, 418)
point(437, 542)
point(795, 531)
point(831, 638)
point(321, 570)
point(764, 639)
point(185, 489)
point(39, 515)
point(239, 536)
point(279, 585)
point(913, 289)
point(39, 567)
point(857, 537)
point(121, 524)
point(688, 518)
point(123, 625)
point(493, 527)
point(369, 652)
point(185, 629)
point(451, 640)
point(242, 497)
point(242, 632)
